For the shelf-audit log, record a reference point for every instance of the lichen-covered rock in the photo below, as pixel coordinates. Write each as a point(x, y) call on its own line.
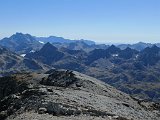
point(60, 79)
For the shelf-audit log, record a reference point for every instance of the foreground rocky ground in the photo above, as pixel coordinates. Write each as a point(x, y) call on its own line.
point(67, 95)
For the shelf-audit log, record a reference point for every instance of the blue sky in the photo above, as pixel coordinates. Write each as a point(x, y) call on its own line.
point(105, 21)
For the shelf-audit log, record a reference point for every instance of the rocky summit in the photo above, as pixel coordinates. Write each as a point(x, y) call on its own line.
point(68, 95)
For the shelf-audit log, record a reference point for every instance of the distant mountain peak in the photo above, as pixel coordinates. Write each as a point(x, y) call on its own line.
point(140, 43)
point(18, 34)
point(128, 49)
point(22, 37)
point(155, 47)
point(113, 49)
point(48, 47)
point(48, 54)
point(55, 39)
point(21, 43)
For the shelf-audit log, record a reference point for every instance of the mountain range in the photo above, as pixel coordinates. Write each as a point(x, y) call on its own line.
point(54, 39)
point(138, 46)
point(26, 43)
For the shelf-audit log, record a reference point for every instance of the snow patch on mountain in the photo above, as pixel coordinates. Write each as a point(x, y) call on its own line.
point(32, 51)
point(41, 42)
point(23, 55)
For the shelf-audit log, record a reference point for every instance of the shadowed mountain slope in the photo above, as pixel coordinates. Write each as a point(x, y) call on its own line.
point(11, 63)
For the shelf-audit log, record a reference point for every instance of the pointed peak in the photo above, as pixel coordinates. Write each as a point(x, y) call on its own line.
point(48, 46)
point(155, 47)
point(113, 47)
point(48, 43)
point(128, 48)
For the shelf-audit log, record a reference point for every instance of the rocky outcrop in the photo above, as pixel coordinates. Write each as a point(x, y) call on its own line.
point(60, 79)
point(63, 94)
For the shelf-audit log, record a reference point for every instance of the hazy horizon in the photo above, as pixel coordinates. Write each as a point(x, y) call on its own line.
point(108, 43)
point(105, 21)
